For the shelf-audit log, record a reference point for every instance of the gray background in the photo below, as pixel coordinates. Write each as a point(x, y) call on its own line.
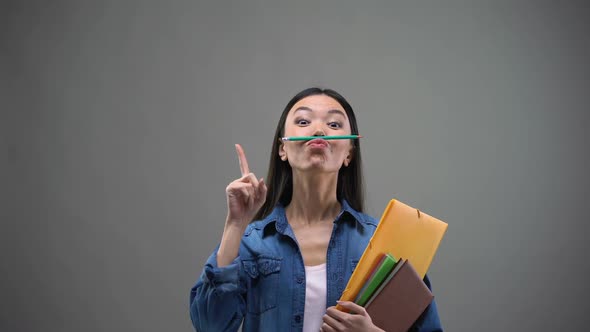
point(122, 117)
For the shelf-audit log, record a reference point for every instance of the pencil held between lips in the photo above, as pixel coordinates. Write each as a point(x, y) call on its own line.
point(309, 138)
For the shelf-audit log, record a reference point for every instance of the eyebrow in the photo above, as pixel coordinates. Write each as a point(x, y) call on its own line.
point(334, 111)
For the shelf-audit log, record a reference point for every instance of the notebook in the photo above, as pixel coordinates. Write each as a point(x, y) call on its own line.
point(384, 268)
point(374, 269)
point(400, 302)
point(399, 264)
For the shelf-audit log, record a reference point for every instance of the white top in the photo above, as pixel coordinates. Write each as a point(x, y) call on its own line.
point(315, 297)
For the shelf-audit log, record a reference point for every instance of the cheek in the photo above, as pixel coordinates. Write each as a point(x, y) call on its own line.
point(296, 131)
point(289, 130)
point(293, 148)
point(341, 149)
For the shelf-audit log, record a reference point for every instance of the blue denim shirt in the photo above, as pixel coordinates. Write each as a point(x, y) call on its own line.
point(265, 285)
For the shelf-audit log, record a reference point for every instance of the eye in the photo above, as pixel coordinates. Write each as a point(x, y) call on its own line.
point(335, 125)
point(302, 122)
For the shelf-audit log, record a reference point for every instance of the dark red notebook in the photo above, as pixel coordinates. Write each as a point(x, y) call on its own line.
point(400, 301)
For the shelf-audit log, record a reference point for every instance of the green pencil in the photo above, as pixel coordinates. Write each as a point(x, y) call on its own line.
point(309, 138)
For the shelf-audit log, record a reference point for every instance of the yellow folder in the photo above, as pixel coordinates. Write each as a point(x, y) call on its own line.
point(404, 232)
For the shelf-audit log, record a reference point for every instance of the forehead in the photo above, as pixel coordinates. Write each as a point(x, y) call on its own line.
point(317, 103)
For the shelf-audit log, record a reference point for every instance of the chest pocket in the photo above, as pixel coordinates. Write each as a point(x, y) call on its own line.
point(264, 283)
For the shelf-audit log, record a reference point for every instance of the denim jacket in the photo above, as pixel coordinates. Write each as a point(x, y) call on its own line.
point(264, 287)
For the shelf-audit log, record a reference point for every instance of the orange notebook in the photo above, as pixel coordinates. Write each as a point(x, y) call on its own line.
point(403, 232)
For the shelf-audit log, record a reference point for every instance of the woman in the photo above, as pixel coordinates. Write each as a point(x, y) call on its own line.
point(286, 270)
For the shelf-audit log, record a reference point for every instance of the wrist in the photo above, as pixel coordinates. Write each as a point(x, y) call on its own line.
point(234, 227)
point(230, 244)
point(237, 223)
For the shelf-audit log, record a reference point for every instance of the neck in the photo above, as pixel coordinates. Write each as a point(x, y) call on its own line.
point(314, 198)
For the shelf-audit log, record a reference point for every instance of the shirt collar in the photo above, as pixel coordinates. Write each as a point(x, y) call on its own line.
point(278, 217)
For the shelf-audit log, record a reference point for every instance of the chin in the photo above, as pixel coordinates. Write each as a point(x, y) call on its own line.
point(320, 167)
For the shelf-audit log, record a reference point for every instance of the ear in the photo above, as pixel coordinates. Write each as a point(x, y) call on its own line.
point(282, 152)
point(348, 158)
point(347, 161)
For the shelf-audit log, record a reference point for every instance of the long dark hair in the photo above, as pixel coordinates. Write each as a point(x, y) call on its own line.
point(280, 176)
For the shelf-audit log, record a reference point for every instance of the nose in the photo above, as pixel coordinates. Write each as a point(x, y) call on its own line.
point(319, 132)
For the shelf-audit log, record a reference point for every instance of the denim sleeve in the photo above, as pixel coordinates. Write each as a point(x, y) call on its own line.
point(217, 300)
point(428, 321)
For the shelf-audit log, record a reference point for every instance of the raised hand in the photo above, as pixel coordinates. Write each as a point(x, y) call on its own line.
point(245, 195)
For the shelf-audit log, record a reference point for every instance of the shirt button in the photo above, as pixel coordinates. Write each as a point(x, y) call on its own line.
point(299, 280)
point(297, 318)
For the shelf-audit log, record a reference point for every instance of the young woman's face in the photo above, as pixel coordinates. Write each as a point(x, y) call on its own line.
point(317, 115)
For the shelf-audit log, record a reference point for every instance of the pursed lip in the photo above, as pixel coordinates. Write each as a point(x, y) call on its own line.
point(318, 142)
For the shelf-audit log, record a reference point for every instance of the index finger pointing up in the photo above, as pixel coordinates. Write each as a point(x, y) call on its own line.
point(242, 158)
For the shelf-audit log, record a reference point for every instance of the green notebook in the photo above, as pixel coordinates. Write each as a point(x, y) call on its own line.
point(381, 272)
point(368, 277)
